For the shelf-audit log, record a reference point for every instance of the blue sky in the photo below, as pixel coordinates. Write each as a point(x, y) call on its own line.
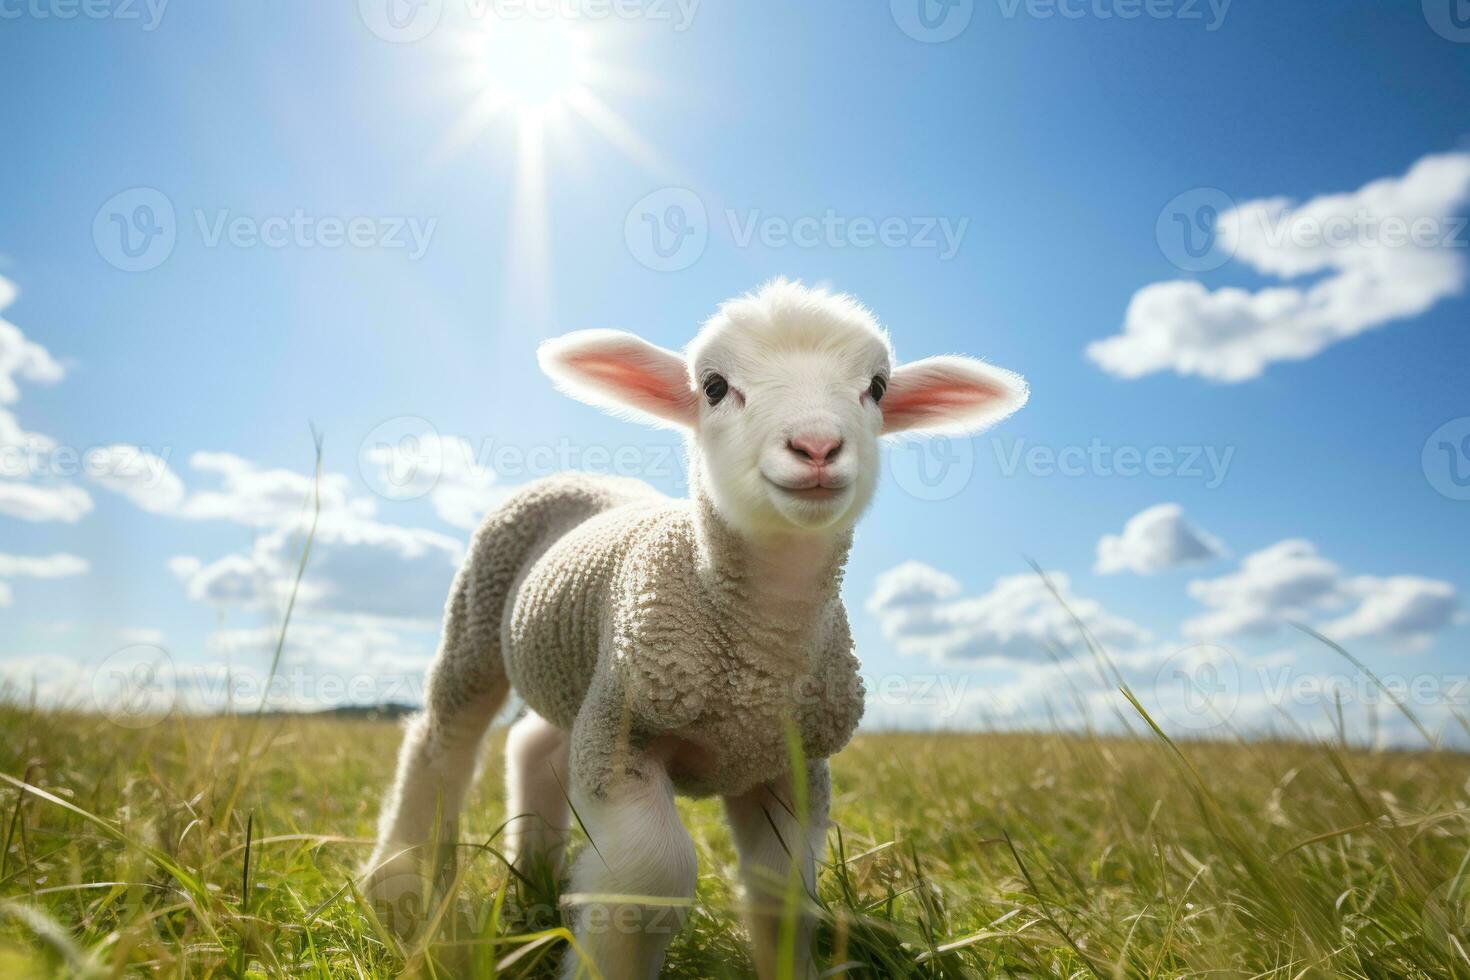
point(1049, 141)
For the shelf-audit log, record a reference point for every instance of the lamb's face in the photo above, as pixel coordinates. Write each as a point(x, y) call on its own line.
point(788, 411)
point(784, 393)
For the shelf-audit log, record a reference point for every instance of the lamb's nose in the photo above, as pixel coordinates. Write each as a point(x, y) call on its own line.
point(817, 450)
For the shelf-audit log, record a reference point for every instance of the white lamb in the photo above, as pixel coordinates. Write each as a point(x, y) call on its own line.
point(667, 646)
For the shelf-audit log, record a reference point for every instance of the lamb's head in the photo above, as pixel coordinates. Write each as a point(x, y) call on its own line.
point(784, 393)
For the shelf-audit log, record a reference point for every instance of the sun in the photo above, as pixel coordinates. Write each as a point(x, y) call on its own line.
point(530, 86)
point(532, 67)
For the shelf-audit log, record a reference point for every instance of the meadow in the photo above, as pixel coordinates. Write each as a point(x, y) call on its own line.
point(226, 847)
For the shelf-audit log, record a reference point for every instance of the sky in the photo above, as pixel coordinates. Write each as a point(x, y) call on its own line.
point(1224, 242)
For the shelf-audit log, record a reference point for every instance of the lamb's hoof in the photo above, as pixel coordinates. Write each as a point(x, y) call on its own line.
point(394, 888)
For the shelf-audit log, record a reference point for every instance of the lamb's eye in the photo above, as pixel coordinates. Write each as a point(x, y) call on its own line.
point(715, 388)
point(876, 388)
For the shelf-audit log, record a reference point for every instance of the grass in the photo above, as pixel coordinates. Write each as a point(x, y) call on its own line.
point(225, 847)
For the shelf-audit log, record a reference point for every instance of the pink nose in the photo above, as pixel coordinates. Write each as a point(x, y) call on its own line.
point(817, 450)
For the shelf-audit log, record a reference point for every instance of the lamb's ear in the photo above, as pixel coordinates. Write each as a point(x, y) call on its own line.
point(622, 373)
point(950, 395)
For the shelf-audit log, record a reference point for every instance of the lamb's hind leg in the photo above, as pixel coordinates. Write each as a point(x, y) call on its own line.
point(638, 850)
point(771, 836)
point(536, 810)
point(436, 764)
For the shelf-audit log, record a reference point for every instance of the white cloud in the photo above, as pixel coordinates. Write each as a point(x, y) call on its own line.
point(359, 566)
point(255, 497)
point(1368, 279)
point(137, 474)
point(1019, 619)
point(1289, 581)
point(59, 565)
point(20, 451)
point(19, 357)
point(460, 488)
point(44, 502)
point(1403, 609)
point(1154, 540)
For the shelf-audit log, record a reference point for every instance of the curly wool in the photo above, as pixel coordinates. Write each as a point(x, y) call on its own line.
point(637, 622)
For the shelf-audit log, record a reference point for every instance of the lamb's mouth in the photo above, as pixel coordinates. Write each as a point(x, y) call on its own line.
point(817, 491)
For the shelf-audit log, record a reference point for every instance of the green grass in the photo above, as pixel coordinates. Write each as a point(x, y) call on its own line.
point(952, 855)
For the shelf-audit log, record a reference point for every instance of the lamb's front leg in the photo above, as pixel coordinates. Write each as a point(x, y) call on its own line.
point(770, 833)
point(638, 848)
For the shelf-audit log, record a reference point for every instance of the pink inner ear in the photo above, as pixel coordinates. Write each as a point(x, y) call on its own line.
point(621, 373)
point(635, 377)
point(936, 398)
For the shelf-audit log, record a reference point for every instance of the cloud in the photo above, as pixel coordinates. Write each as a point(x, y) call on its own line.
point(1381, 252)
point(445, 468)
point(59, 565)
point(1155, 540)
point(19, 357)
point(44, 502)
point(921, 613)
point(1404, 609)
point(137, 474)
point(1289, 581)
point(23, 453)
point(255, 497)
point(359, 566)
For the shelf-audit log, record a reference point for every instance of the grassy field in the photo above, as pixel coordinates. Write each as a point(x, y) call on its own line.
point(952, 856)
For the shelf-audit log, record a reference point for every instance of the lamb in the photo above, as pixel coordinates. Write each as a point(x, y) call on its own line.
point(669, 646)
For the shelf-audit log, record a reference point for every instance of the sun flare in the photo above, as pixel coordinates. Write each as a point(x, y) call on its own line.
point(534, 85)
point(533, 67)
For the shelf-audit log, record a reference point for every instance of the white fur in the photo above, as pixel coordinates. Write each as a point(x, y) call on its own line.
point(536, 807)
point(799, 363)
